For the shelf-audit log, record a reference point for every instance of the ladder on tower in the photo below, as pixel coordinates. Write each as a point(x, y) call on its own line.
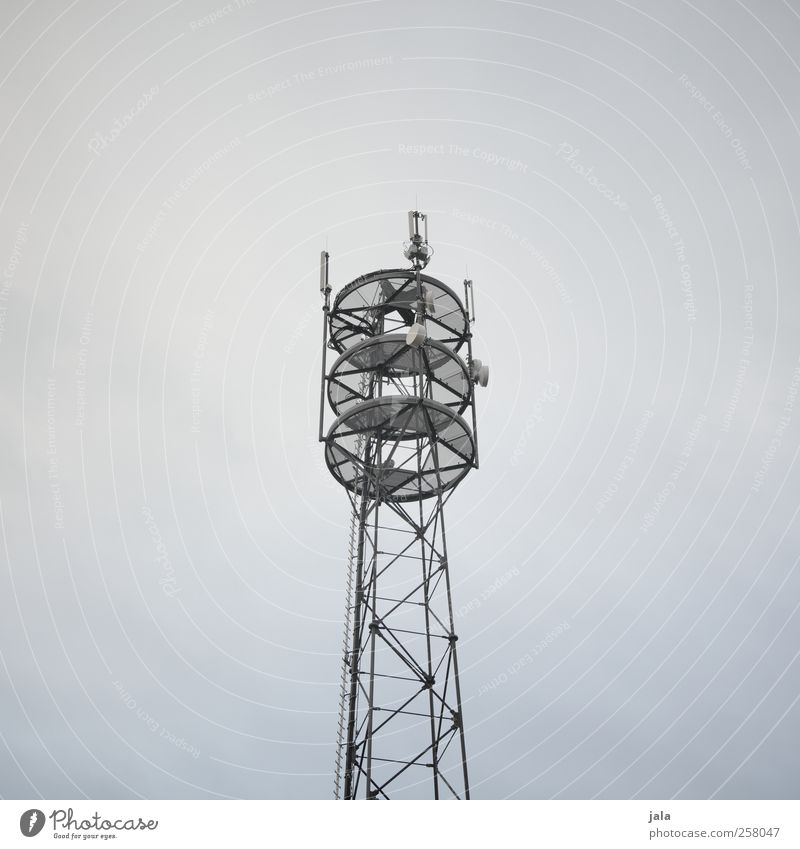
point(352, 557)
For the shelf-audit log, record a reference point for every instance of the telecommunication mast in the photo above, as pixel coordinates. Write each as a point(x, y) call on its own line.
point(405, 435)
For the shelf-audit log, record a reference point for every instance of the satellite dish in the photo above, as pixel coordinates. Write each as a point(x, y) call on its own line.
point(416, 335)
point(479, 372)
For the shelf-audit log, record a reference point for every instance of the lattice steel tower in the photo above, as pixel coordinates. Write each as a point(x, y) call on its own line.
point(399, 446)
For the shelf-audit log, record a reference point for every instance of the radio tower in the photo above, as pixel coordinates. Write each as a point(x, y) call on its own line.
point(399, 446)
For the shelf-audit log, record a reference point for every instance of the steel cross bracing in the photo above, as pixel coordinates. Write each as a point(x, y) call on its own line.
point(405, 722)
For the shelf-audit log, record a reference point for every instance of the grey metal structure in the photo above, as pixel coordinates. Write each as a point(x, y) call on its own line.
point(404, 436)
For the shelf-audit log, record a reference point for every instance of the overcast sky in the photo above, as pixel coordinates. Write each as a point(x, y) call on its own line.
point(618, 179)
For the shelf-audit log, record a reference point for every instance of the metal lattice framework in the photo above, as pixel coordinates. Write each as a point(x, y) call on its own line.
point(399, 446)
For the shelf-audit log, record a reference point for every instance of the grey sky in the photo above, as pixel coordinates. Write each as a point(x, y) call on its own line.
point(619, 181)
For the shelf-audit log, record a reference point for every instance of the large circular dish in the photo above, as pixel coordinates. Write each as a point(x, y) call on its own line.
point(399, 448)
point(388, 364)
point(384, 302)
